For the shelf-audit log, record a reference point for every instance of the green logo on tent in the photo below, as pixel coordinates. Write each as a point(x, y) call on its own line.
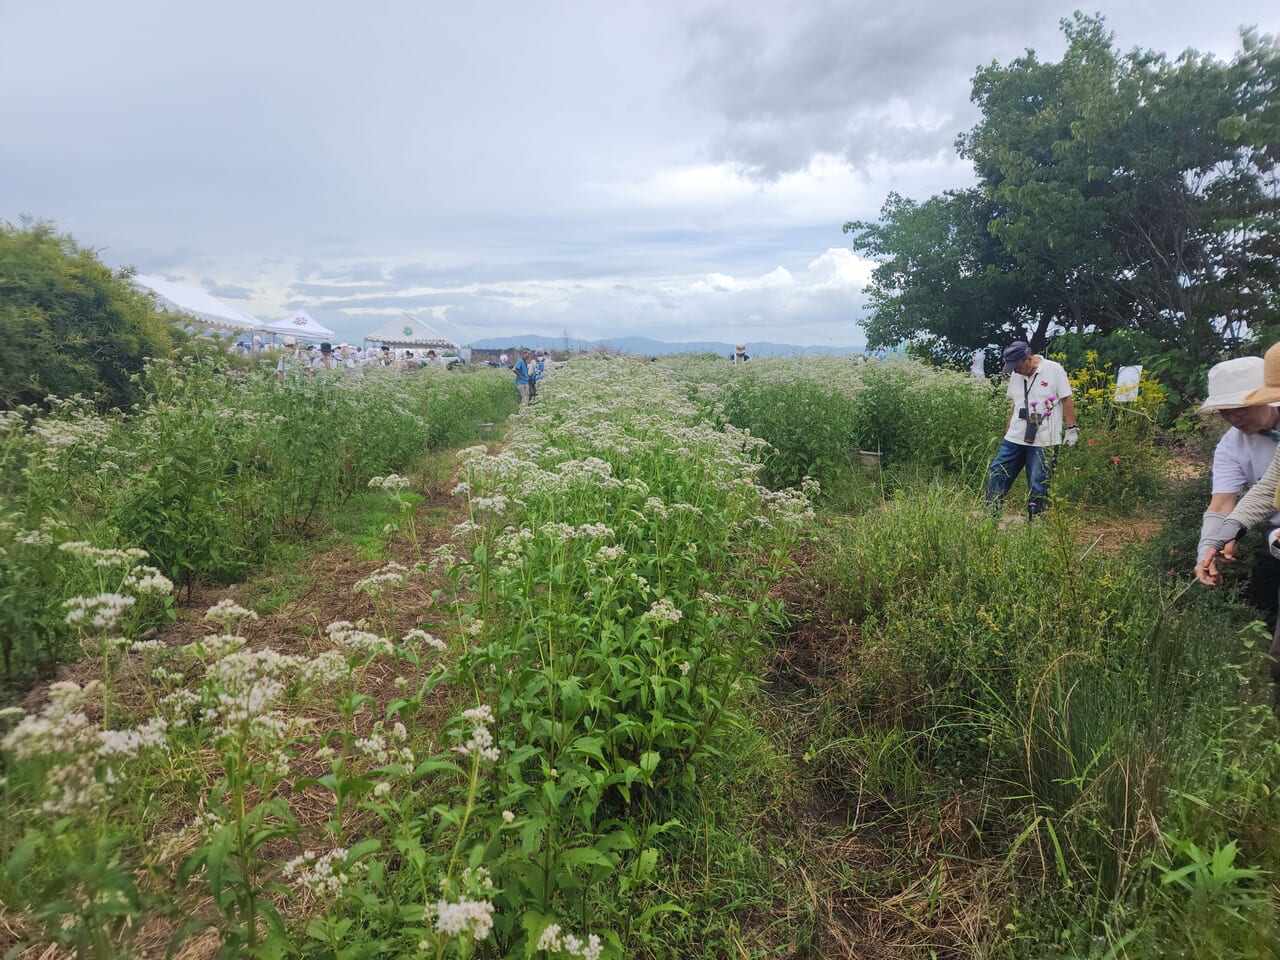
point(408, 331)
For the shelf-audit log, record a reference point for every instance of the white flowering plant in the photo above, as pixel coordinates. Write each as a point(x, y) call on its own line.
point(621, 553)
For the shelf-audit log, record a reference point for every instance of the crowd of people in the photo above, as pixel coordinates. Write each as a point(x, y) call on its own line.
point(296, 356)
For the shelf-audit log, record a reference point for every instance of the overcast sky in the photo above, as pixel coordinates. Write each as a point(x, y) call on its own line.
point(679, 170)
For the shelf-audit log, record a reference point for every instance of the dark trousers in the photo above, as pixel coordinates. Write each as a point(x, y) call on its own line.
point(1264, 596)
point(1264, 586)
point(1010, 460)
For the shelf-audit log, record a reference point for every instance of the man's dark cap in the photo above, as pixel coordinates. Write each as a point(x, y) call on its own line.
point(1014, 354)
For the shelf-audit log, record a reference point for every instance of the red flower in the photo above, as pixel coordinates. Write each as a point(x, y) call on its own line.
point(1116, 461)
point(1092, 442)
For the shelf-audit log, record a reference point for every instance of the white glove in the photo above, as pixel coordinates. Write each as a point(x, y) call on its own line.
point(1073, 436)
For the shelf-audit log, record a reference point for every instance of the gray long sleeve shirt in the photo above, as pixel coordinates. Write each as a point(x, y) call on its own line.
point(1256, 506)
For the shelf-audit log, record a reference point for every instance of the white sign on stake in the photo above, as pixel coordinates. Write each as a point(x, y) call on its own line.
point(1127, 384)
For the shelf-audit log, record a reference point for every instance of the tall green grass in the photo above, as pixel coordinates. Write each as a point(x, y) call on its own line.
point(1111, 724)
point(204, 474)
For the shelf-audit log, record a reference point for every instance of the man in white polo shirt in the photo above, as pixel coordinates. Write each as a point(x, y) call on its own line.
point(1043, 417)
point(1240, 458)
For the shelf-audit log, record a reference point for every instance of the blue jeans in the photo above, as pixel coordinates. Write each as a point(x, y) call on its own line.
point(1009, 461)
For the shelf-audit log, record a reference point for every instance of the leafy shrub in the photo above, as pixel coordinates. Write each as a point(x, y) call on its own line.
point(816, 413)
point(75, 326)
point(214, 463)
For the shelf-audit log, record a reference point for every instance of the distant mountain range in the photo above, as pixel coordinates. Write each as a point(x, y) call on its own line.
point(644, 347)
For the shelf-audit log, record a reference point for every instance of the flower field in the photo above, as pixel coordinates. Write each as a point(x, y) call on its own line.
point(662, 673)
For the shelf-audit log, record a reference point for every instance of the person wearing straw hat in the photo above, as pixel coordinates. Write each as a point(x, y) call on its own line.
point(1239, 461)
point(1256, 506)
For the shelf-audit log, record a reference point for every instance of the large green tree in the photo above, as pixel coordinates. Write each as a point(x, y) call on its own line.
point(1121, 192)
point(69, 323)
point(939, 262)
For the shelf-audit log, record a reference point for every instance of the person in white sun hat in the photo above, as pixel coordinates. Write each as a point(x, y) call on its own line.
point(1240, 460)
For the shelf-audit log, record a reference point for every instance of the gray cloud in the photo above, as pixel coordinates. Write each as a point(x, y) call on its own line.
point(228, 290)
point(868, 81)
point(514, 169)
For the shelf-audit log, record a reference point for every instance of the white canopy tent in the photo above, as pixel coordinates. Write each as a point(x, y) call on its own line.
point(300, 324)
point(200, 306)
point(408, 331)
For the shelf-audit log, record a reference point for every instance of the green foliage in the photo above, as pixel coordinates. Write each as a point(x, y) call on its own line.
point(816, 413)
point(208, 471)
point(1089, 700)
point(937, 260)
point(1119, 464)
point(611, 595)
point(620, 611)
point(73, 326)
point(1118, 192)
point(809, 425)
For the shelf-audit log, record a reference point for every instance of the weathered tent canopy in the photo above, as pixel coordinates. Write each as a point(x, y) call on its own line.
point(409, 331)
point(300, 324)
point(203, 308)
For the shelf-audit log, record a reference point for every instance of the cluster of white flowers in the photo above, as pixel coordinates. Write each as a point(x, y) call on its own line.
point(385, 746)
point(480, 743)
point(565, 532)
point(591, 468)
point(248, 685)
point(390, 574)
point(87, 757)
point(213, 646)
point(391, 483)
point(555, 940)
point(465, 529)
point(786, 509)
point(144, 580)
point(477, 879)
point(80, 433)
point(128, 743)
point(357, 642)
point(33, 538)
point(228, 614)
point(103, 557)
point(664, 611)
point(419, 636)
point(324, 671)
point(473, 917)
point(102, 612)
point(325, 875)
point(495, 505)
point(179, 706)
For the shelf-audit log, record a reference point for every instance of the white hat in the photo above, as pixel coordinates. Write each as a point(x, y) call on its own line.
point(1230, 381)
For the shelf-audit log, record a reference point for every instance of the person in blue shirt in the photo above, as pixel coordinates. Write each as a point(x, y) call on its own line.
point(525, 378)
